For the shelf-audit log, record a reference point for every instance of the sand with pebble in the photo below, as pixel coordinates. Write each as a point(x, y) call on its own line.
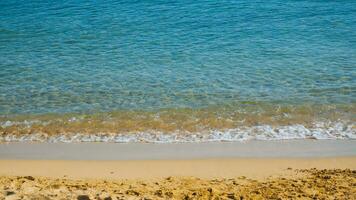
point(307, 184)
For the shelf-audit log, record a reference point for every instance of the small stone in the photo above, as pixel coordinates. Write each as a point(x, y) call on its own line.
point(83, 197)
point(158, 193)
point(186, 197)
point(231, 196)
point(8, 193)
point(132, 192)
point(169, 194)
point(29, 178)
point(256, 192)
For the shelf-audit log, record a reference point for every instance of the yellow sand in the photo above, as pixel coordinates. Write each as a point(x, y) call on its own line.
point(256, 168)
point(311, 184)
point(264, 178)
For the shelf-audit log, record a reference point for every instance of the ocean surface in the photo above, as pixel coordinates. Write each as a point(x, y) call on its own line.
point(177, 71)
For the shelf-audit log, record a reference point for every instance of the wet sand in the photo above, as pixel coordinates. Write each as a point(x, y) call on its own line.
point(178, 151)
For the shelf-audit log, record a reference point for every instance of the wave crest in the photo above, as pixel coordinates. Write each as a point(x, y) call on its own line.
point(320, 130)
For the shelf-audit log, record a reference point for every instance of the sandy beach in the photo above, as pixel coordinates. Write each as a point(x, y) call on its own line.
point(155, 172)
point(146, 100)
point(241, 178)
point(259, 168)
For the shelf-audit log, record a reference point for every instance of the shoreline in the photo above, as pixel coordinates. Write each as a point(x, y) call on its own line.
point(178, 151)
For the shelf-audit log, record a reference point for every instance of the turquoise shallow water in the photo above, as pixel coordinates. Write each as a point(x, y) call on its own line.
point(187, 71)
point(60, 57)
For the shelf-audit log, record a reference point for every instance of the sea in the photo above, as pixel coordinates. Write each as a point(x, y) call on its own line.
point(177, 71)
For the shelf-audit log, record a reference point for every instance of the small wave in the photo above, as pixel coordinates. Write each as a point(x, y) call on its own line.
point(25, 123)
point(321, 130)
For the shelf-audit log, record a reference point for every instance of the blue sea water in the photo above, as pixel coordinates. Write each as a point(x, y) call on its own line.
point(89, 56)
point(131, 71)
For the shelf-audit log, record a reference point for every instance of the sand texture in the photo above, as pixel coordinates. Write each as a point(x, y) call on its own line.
point(326, 177)
point(254, 168)
point(308, 184)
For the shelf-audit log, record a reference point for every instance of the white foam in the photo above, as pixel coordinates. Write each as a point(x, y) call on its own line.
point(25, 123)
point(321, 130)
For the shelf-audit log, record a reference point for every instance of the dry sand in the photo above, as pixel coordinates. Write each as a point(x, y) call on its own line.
point(310, 184)
point(240, 178)
point(256, 168)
